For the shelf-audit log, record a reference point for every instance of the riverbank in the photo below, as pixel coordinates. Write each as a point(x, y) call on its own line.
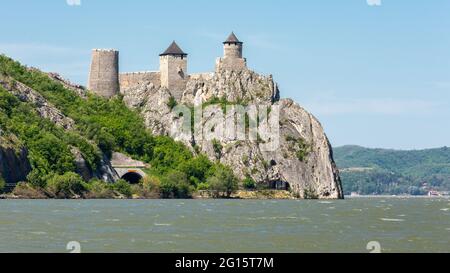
point(241, 194)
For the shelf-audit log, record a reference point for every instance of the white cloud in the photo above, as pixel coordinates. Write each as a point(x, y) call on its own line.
point(73, 2)
point(374, 2)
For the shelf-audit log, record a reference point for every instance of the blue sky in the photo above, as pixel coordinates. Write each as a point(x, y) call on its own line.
point(377, 76)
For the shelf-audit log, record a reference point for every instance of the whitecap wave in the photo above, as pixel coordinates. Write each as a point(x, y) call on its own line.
point(38, 232)
point(392, 220)
point(162, 224)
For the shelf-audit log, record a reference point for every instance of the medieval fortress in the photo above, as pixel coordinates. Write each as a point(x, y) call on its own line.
point(106, 80)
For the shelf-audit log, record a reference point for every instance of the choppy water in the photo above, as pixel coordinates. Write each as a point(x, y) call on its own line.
point(398, 224)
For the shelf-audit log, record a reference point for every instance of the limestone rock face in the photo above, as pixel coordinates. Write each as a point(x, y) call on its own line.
point(317, 173)
point(233, 86)
point(78, 89)
point(303, 160)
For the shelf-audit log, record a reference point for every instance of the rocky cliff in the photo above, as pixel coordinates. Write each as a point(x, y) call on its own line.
point(303, 160)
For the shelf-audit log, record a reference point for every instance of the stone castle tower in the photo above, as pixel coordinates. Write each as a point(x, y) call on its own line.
point(232, 55)
point(104, 73)
point(173, 69)
point(105, 80)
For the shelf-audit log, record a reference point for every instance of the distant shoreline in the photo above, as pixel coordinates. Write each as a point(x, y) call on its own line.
point(396, 196)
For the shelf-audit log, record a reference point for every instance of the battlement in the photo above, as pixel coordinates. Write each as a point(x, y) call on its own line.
point(105, 50)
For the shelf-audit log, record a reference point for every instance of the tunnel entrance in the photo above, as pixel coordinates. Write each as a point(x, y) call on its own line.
point(132, 177)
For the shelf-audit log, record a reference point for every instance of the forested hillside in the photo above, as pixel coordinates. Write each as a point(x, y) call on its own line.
point(100, 127)
point(383, 171)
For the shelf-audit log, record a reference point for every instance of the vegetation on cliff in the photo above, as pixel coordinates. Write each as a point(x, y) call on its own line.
point(102, 126)
point(382, 171)
point(2, 183)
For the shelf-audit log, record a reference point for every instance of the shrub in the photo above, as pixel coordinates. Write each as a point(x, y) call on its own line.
point(310, 193)
point(171, 103)
point(122, 187)
point(175, 185)
point(149, 187)
point(216, 186)
point(303, 149)
point(37, 178)
point(197, 169)
point(223, 181)
point(203, 186)
point(249, 183)
point(66, 186)
point(217, 147)
point(151, 183)
point(28, 191)
point(2, 183)
point(99, 189)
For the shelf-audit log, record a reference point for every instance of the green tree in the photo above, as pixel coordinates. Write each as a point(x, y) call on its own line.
point(122, 187)
point(223, 181)
point(67, 185)
point(175, 185)
point(216, 186)
point(99, 189)
point(249, 183)
point(197, 169)
point(217, 147)
point(2, 183)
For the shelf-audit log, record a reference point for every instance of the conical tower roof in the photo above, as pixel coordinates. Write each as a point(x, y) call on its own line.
point(174, 50)
point(232, 39)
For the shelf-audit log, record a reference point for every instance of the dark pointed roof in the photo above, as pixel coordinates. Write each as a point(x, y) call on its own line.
point(173, 49)
point(232, 39)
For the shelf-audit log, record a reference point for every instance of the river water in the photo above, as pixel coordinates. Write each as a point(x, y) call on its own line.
point(394, 224)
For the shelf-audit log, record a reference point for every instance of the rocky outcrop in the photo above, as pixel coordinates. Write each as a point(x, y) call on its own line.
point(14, 164)
point(43, 107)
point(104, 170)
point(303, 160)
point(78, 89)
point(234, 86)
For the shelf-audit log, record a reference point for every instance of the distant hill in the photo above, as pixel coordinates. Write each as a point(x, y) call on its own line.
point(385, 171)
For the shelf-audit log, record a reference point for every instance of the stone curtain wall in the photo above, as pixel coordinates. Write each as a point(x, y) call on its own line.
point(130, 80)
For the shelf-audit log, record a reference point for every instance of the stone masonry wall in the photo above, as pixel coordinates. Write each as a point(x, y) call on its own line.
point(232, 51)
point(130, 80)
